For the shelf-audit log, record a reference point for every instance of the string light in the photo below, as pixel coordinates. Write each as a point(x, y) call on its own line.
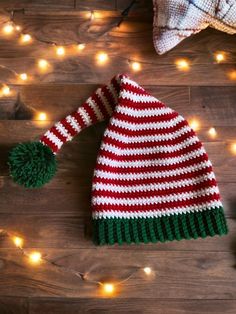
point(147, 270)
point(107, 289)
point(102, 58)
point(60, 51)
point(5, 90)
point(233, 148)
point(136, 66)
point(194, 124)
point(18, 28)
point(25, 38)
point(35, 257)
point(232, 75)
point(219, 57)
point(18, 241)
point(182, 64)
point(23, 76)
point(42, 116)
point(81, 47)
point(212, 132)
point(43, 64)
point(8, 29)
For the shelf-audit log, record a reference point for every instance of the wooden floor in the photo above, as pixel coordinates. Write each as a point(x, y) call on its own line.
point(197, 276)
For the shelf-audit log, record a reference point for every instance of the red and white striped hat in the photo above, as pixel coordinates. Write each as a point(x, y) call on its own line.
point(153, 180)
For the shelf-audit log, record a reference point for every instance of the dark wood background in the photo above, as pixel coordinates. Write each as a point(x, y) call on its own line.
point(197, 276)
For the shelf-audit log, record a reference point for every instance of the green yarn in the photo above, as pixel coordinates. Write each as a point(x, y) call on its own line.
point(32, 164)
point(193, 225)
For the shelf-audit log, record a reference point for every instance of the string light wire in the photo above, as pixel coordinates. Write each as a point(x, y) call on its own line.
point(36, 258)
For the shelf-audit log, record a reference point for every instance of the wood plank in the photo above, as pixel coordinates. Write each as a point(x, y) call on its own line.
point(131, 306)
point(179, 275)
point(13, 305)
point(36, 4)
point(95, 5)
point(204, 103)
point(58, 100)
point(217, 104)
point(123, 44)
point(68, 231)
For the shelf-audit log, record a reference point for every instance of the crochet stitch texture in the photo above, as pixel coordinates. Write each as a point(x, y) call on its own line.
point(153, 181)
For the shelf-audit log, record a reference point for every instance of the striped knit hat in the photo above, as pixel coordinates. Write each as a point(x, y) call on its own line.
point(153, 180)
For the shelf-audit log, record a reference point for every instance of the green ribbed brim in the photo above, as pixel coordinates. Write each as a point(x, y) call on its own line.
point(160, 229)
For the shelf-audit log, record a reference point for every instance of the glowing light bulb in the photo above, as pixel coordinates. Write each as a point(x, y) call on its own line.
point(102, 58)
point(136, 66)
point(232, 75)
point(182, 64)
point(6, 90)
point(194, 124)
point(18, 241)
point(60, 51)
point(8, 29)
point(42, 116)
point(26, 38)
point(233, 148)
point(35, 257)
point(81, 47)
point(147, 270)
point(220, 57)
point(43, 64)
point(108, 288)
point(23, 76)
point(212, 132)
point(18, 28)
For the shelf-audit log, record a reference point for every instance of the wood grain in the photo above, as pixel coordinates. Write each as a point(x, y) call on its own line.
point(13, 305)
point(192, 277)
point(132, 306)
point(179, 275)
point(70, 231)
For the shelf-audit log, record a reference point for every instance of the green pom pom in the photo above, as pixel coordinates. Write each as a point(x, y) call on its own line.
point(32, 164)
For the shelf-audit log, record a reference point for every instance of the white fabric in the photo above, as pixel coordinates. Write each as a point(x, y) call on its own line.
point(175, 20)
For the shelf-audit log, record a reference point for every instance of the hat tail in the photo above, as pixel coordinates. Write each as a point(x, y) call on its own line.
point(34, 164)
point(97, 108)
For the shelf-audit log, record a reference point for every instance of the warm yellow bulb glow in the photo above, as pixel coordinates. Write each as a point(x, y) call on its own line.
point(194, 124)
point(18, 241)
point(212, 132)
point(232, 75)
point(108, 288)
point(136, 66)
point(5, 90)
point(233, 148)
point(35, 257)
point(43, 64)
point(26, 38)
point(8, 29)
point(23, 76)
point(220, 57)
point(42, 116)
point(60, 51)
point(102, 58)
point(18, 28)
point(81, 47)
point(147, 270)
point(182, 64)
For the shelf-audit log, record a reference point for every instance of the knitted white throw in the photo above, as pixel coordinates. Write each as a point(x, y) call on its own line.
point(175, 20)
